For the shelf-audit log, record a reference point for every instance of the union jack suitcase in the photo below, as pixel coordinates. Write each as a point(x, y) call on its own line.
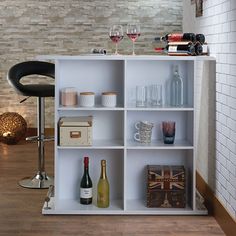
point(166, 186)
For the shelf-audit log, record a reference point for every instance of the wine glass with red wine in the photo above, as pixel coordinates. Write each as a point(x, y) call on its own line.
point(116, 34)
point(133, 32)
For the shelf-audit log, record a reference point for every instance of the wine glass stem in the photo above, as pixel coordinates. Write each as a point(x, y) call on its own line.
point(133, 49)
point(116, 52)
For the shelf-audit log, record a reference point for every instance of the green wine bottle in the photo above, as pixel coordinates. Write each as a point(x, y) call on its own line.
point(103, 199)
point(86, 195)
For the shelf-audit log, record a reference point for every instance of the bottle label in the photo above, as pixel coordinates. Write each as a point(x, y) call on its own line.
point(172, 49)
point(86, 192)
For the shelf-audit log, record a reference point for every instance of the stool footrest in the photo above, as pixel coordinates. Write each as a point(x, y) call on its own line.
point(36, 138)
point(32, 138)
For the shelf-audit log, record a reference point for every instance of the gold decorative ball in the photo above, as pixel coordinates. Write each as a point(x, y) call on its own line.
point(13, 127)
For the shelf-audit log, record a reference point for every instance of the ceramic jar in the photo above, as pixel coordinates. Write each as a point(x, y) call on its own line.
point(109, 99)
point(68, 96)
point(87, 99)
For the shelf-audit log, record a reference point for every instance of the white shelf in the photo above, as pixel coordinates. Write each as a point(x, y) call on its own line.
point(114, 128)
point(166, 108)
point(139, 207)
point(125, 57)
point(157, 144)
point(134, 207)
point(95, 108)
point(98, 144)
point(72, 206)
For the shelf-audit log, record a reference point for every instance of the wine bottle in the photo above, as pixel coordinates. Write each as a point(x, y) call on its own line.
point(200, 38)
point(180, 48)
point(176, 89)
point(103, 188)
point(86, 195)
point(177, 37)
point(198, 48)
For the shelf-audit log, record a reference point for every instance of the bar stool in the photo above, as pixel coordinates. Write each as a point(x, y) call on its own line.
point(16, 73)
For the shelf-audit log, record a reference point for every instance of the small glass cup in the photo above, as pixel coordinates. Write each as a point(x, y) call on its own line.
point(168, 129)
point(141, 96)
point(155, 95)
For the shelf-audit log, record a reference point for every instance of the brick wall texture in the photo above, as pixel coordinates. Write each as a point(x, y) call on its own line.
point(218, 23)
point(29, 28)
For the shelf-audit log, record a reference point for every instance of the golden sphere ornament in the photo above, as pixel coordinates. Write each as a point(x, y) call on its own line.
point(13, 127)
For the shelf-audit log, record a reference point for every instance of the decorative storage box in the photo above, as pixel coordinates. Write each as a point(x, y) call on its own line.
point(75, 131)
point(166, 186)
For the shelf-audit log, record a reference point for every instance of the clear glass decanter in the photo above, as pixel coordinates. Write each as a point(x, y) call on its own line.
point(176, 89)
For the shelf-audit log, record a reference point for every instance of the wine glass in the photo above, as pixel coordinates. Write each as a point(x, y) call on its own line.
point(133, 32)
point(116, 34)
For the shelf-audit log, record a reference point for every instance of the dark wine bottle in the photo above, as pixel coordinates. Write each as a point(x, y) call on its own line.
point(177, 37)
point(181, 48)
point(200, 38)
point(198, 48)
point(86, 195)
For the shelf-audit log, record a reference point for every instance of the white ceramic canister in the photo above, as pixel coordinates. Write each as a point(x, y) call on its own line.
point(68, 96)
point(86, 99)
point(109, 99)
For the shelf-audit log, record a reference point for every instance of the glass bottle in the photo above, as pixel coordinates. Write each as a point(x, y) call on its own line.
point(86, 185)
point(185, 48)
point(177, 37)
point(176, 89)
point(181, 48)
point(103, 200)
point(200, 38)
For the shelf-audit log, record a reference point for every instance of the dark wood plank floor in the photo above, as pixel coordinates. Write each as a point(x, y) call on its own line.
point(20, 208)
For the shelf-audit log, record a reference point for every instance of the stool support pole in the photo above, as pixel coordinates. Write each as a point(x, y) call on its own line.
point(41, 130)
point(41, 179)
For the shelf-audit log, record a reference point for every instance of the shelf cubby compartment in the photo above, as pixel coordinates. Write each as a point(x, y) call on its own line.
point(108, 128)
point(94, 76)
point(147, 72)
point(183, 134)
point(136, 183)
point(69, 170)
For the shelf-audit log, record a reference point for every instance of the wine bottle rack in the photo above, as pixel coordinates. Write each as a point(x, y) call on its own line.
point(113, 131)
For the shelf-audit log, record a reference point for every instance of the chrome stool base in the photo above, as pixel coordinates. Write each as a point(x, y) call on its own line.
point(39, 181)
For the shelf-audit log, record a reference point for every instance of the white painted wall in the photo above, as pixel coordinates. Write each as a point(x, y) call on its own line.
point(218, 23)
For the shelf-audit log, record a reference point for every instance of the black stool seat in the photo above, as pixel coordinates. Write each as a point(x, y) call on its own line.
point(39, 90)
point(18, 71)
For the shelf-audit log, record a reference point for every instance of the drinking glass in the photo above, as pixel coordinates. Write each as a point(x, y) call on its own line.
point(168, 129)
point(141, 96)
point(133, 32)
point(116, 34)
point(155, 95)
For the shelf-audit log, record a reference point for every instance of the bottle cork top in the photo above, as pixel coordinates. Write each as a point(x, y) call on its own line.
point(86, 161)
point(103, 162)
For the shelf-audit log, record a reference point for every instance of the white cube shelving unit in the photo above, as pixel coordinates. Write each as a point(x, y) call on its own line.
point(113, 130)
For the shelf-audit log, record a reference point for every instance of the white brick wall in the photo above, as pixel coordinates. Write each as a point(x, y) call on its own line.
point(218, 23)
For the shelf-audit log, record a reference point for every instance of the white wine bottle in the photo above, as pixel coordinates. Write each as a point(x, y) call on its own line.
point(103, 198)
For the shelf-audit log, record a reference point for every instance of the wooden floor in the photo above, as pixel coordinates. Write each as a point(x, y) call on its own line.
point(20, 208)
